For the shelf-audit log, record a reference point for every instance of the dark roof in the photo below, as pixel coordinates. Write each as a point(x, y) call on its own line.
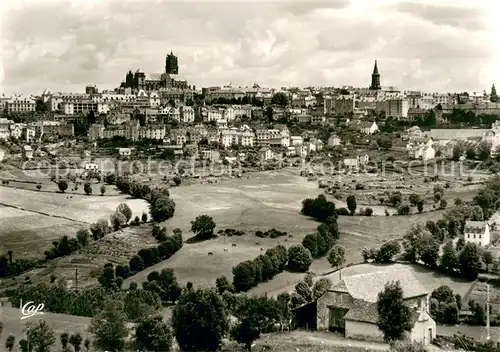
point(364, 311)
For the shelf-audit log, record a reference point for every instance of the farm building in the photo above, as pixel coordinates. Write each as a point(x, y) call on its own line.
point(350, 306)
point(266, 154)
point(477, 232)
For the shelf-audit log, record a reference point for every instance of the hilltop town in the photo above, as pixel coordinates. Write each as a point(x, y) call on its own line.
point(342, 217)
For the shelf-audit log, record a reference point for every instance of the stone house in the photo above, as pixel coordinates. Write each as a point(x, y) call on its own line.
point(367, 127)
point(334, 140)
point(350, 306)
point(266, 154)
point(477, 232)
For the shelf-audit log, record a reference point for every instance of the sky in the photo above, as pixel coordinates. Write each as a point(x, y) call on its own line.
point(435, 46)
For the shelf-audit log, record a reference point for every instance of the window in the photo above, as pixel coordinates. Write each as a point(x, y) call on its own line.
point(479, 236)
point(474, 236)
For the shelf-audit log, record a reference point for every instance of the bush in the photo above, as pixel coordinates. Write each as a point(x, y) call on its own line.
point(319, 208)
point(177, 180)
point(368, 211)
point(87, 188)
point(144, 217)
point(404, 209)
point(63, 185)
point(299, 258)
point(343, 211)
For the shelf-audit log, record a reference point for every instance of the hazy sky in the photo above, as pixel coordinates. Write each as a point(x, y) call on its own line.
point(429, 45)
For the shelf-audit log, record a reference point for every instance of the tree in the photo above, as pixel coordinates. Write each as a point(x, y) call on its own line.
point(64, 340)
point(336, 256)
point(404, 209)
point(10, 342)
point(483, 150)
point(368, 211)
point(449, 259)
point(303, 290)
point(144, 217)
point(351, 203)
point(177, 180)
point(320, 287)
point(394, 315)
point(103, 190)
point(109, 328)
point(310, 242)
point(246, 332)
point(118, 220)
point(443, 203)
point(414, 199)
point(299, 258)
point(280, 99)
point(487, 257)
point(420, 206)
point(83, 236)
point(162, 208)
point(458, 151)
point(469, 261)
point(63, 185)
point(38, 186)
point(388, 250)
point(199, 320)
point(40, 337)
point(203, 226)
point(395, 198)
point(244, 276)
point(152, 334)
point(222, 284)
point(125, 210)
point(87, 188)
point(76, 341)
point(470, 152)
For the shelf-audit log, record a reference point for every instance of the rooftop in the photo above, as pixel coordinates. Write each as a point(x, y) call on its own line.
point(367, 286)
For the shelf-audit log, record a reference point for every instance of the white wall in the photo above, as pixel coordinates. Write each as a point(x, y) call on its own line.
point(363, 331)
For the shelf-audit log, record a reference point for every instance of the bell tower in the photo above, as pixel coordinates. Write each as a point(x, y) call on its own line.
point(171, 64)
point(375, 78)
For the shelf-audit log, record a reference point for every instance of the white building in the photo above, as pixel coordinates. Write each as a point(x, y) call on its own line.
point(266, 154)
point(398, 108)
point(334, 140)
point(477, 232)
point(296, 141)
point(186, 114)
point(124, 151)
point(20, 104)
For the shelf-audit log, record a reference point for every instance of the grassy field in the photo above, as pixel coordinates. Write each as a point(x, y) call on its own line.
point(60, 323)
point(262, 202)
point(28, 234)
point(74, 207)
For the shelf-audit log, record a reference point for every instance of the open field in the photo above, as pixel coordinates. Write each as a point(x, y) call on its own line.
point(11, 318)
point(28, 234)
point(74, 207)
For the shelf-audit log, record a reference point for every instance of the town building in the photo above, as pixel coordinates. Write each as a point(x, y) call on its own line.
point(350, 306)
point(477, 232)
point(124, 151)
point(367, 127)
point(397, 108)
point(334, 140)
point(27, 152)
point(20, 104)
point(266, 154)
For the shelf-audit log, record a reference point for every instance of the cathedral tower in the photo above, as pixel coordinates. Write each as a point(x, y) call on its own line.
point(171, 64)
point(375, 78)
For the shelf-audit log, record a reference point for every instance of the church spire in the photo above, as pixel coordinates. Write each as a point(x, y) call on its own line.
point(375, 85)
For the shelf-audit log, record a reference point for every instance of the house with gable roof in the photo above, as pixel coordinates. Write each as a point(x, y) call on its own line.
point(350, 306)
point(477, 232)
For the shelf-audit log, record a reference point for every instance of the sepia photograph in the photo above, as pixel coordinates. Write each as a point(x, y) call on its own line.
point(266, 176)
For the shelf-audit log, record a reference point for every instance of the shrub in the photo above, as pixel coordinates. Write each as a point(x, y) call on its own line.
point(343, 211)
point(144, 217)
point(404, 209)
point(368, 211)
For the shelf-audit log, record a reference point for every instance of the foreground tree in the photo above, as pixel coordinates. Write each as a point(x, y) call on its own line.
point(76, 340)
point(203, 227)
point(394, 315)
point(10, 342)
point(199, 320)
point(40, 337)
point(162, 208)
point(103, 190)
point(109, 328)
point(152, 334)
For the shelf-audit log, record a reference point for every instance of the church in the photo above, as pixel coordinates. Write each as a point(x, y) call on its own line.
point(152, 82)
